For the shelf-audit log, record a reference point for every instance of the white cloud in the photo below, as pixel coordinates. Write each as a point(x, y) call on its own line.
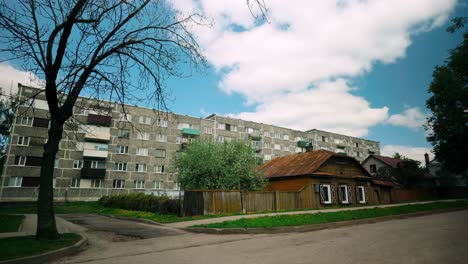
point(411, 117)
point(10, 77)
point(416, 153)
point(282, 67)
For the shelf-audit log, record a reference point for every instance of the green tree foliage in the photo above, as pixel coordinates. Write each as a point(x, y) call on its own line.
point(449, 105)
point(209, 165)
point(408, 172)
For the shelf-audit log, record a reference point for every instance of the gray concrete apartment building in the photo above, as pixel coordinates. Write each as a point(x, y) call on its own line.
point(109, 149)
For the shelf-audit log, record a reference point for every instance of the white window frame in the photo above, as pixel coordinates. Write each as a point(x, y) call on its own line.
point(96, 183)
point(266, 144)
point(140, 167)
point(277, 146)
point(344, 201)
point(15, 181)
point(120, 166)
point(122, 149)
point(161, 138)
point(220, 139)
point(161, 123)
point(139, 184)
point(118, 184)
point(221, 126)
point(143, 135)
point(364, 198)
point(328, 190)
point(142, 152)
point(95, 164)
point(125, 117)
point(24, 121)
point(162, 151)
point(120, 133)
point(178, 140)
point(158, 185)
point(77, 164)
point(176, 186)
point(23, 140)
point(267, 157)
point(286, 137)
point(145, 120)
point(56, 163)
point(277, 135)
point(208, 130)
point(75, 183)
point(21, 161)
point(159, 168)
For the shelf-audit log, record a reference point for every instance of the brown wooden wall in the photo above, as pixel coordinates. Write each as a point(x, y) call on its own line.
point(342, 167)
point(290, 184)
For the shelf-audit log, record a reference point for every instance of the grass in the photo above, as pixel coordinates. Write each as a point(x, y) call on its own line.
point(17, 247)
point(10, 223)
point(319, 218)
point(95, 208)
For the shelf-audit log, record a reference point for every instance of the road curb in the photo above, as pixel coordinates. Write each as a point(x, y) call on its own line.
point(314, 227)
point(139, 220)
point(51, 255)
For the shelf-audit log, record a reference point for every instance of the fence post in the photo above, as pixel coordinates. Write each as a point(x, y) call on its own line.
point(277, 200)
point(242, 201)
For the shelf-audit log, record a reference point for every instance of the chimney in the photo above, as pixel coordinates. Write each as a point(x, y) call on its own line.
point(426, 158)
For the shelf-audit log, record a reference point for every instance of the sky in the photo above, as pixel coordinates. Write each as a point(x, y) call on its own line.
point(360, 68)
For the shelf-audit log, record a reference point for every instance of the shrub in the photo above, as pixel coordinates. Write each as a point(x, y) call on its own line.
point(142, 202)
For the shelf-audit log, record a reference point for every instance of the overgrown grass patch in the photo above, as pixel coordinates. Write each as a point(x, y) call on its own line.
point(318, 218)
point(10, 223)
point(17, 247)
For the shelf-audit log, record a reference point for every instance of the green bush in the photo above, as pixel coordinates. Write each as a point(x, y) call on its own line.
point(142, 202)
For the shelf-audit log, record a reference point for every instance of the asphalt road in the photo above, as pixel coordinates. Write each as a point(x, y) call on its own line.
point(440, 238)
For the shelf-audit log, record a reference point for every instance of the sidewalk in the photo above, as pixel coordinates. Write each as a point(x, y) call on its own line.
point(236, 217)
point(28, 227)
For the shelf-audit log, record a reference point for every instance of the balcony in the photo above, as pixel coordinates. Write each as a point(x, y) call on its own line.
point(190, 131)
point(90, 173)
point(94, 133)
point(99, 120)
point(255, 136)
point(304, 143)
point(95, 153)
point(340, 146)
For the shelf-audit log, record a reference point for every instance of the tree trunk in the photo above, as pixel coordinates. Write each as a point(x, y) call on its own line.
point(46, 226)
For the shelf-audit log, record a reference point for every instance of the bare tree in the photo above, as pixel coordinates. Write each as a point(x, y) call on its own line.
point(112, 49)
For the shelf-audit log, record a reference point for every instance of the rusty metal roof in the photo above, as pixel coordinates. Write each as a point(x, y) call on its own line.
point(298, 164)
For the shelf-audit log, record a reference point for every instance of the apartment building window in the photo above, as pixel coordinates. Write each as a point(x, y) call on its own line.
point(161, 123)
point(121, 149)
point(24, 121)
point(40, 122)
point(178, 140)
point(220, 139)
point(118, 184)
point(185, 125)
point(285, 137)
point(343, 193)
point(277, 147)
point(160, 153)
point(358, 154)
point(98, 164)
point(143, 135)
point(56, 163)
point(142, 152)
point(292, 148)
point(277, 135)
point(159, 168)
point(146, 120)
point(266, 145)
point(256, 143)
point(356, 145)
point(325, 194)
point(75, 183)
point(139, 184)
point(161, 138)
point(15, 181)
point(23, 141)
point(176, 186)
point(20, 160)
point(124, 133)
point(158, 185)
point(267, 157)
point(373, 168)
point(140, 167)
point(96, 183)
point(361, 194)
point(77, 164)
point(221, 126)
point(266, 133)
point(208, 130)
point(83, 111)
point(119, 166)
point(98, 146)
point(324, 139)
point(125, 117)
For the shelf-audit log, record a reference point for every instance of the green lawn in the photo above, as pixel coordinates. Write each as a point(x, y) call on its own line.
point(95, 208)
point(17, 247)
point(10, 223)
point(318, 218)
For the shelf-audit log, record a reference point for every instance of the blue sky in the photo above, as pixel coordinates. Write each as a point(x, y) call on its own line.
point(360, 68)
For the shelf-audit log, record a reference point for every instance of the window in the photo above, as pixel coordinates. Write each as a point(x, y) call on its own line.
point(324, 139)
point(140, 167)
point(83, 111)
point(266, 133)
point(208, 130)
point(121, 149)
point(161, 138)
point(125, 117)
point(159, 168)
point(118, 184)
point(160, 153)
point(20, 160)
point(161, 123)
point(158, 185)
point(118, 166)
point(97, 146)
point(146, 120)
point(361, 194)
point(124, 133)
point(24, 121)
point(266, 144)
point(221, 126)
point(15, 181)
point(358, 154)
point(23, 141)
point(143, 135)
point(75, 183)
point(56, 163)
point(139, 184)
point(40, 122)
point(286, 137)
point(292, 148)
point(98, 164)
point(176, 186)
point(373, 168)
point(178, 140)
point(142, 152)
point(343, 193)
point(277, 146)
point(185, 125)
point(267, 157)
point(325, 194)
point(220, 139)
point(95, 183)
point(356, 145)
point(277, 135)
